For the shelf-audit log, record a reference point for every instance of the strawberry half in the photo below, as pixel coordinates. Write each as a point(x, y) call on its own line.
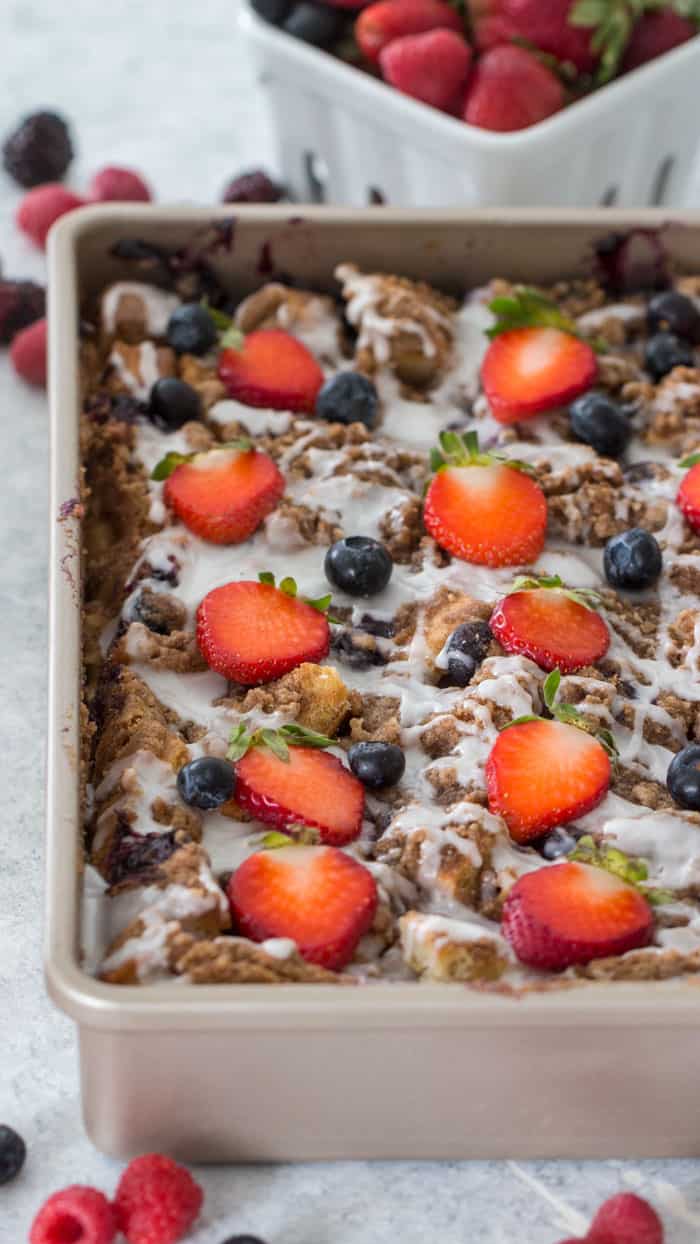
point(253, 632)
point(553, 626)
point(222, 495)
point(541, 773)
point(535, 361)
point(688, 498)
point(530, 370)
point(572, 913)
point(483, 508)
point(271, 369)
point(380, 24)
point(310, 788)
point(318, 896)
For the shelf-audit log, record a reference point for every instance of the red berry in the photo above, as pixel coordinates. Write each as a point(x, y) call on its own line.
point(545, 773)
point(273, 369)
point(309, 788)
point(75, 1215)
point(318, 896)
point(28, 354)
point(118, 185)
point(21, 303)
point(387, 20)
point(655, 34)
point(432, 67)
point(626, 1219)
point(571, 913)
point(253, 187)
point(550, 628)
point(530, 370)
point(157, 1201)
point(254, 632)
point(544, 26)
point(688, 498)
point(511, 89)
point(491, 515)
point(224, 494)
point(42, 206)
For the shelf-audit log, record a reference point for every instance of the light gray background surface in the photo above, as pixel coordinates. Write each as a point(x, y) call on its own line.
point(164, 85)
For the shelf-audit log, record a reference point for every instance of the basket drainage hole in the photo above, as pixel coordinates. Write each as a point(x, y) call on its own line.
point(659, 190)
point(610, 196)
point(375, 196)
point(316, 174)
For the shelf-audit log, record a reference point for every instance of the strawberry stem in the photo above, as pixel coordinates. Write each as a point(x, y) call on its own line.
point(279, 741)
point(289, 587)
point(164, 469)
point(461, 451)
point(581, 595)
point(629, 869)
point(567, 714)
point(230, 337)
point(528, 308)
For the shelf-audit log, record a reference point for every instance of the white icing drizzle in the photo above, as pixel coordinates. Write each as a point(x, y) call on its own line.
point(669, 841)
point(158, 306)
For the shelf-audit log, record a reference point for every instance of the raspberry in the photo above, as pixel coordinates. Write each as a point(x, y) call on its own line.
point(156, 1201)
point(21, 303)
point(118, 185)
point(253, 187)
point(82, 1215)
point(28, 354)
point(432, 67)
point(39, 150)
point(42, 206)
point(626, 1219)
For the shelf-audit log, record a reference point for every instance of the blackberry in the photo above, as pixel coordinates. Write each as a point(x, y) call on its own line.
point(21, 303)
point(13, 1151)
point(253, 187)
point(39, 150)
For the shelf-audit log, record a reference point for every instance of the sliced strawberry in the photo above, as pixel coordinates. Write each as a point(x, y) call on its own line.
point(688, 498)
point(529, 370)
point(545, 773)
point(482, 509)
point(550, 626)
point(387, 20)
point(308, 788)
point(572, 913)
point(318, 896)
point(254, 632)
point(222, 495)
point(272, 369)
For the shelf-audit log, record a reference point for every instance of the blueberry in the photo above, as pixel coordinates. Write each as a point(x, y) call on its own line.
point(191, 330)
point(598, 421)
point(674, 313)
point(632, 560)
point(683, 777)
point(314, 23)
point(465, 650)
point(13, 1151)
point(348, 397)
point(666, 351)
point(358, 565)
point(172, 403)
point(206, 783)
point(244, 1239)
point(377, 764)
point(556, 844)
point(273, 11)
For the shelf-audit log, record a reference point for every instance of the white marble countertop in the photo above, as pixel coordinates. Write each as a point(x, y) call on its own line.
point(165, 86)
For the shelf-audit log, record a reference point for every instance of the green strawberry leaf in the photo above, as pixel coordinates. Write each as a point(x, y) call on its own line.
point(581, 595)
point(238, 743)
point(164, 469)
point(232, 339)
point(527, 308)
point(274, 740)
point(458, 451)
point(274, 840)
point(301, 736)
point(267, 577)
point(628, 868)
point(692, 459)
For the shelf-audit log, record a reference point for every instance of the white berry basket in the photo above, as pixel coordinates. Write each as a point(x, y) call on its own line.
point(345, 137)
